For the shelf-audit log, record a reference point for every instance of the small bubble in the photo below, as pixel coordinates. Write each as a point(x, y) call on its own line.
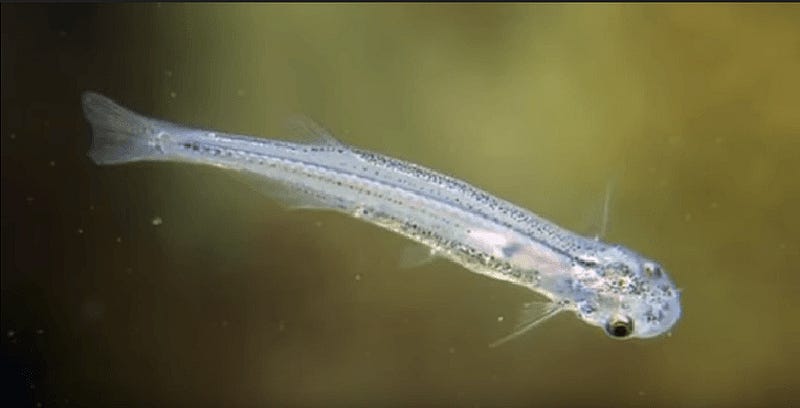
point(52, 163)
point(157, 221)
point(500, 318)
point(173, 94)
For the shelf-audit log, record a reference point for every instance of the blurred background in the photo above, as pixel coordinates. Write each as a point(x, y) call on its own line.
point(173, 285)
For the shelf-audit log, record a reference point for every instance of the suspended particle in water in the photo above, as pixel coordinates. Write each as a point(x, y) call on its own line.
point(157, 221)
point(357, 277)
point(119, 240)
point(52, 163)
point(173, 94)
point(79, 231)
point(500, 318)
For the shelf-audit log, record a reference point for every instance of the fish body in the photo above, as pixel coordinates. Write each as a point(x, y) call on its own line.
point(608, 286)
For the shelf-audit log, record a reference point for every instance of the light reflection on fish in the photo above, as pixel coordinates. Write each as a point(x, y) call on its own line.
point(608, 286)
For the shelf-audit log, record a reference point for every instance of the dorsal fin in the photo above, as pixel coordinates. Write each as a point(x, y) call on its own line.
point(305, 130)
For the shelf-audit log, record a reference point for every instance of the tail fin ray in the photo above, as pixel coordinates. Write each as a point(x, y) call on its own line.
point(118, 135)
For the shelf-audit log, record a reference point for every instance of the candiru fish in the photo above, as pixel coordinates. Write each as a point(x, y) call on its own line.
point(609, 286)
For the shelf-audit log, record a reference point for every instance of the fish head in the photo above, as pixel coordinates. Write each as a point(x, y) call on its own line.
point(631, 296)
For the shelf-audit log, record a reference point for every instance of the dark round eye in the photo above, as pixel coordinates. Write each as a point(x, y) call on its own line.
point(619, 327)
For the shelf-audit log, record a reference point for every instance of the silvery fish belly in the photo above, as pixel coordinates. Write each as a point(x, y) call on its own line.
point(608, 286)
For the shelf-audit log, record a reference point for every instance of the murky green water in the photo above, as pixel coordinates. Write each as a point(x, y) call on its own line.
point(172, 285)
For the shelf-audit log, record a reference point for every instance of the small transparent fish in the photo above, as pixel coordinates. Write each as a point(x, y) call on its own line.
point(608, 286)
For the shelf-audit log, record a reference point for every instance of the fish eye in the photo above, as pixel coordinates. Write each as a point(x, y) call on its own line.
point(619, 327)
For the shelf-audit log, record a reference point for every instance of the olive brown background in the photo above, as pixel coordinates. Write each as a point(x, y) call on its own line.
point(175, 285)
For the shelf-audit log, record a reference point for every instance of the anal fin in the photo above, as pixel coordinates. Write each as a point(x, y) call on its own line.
point(416, 255)
point(290, 196)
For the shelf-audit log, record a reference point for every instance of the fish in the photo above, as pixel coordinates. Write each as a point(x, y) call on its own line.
point(605, 285)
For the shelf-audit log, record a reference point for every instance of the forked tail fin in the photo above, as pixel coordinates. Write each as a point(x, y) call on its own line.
point(118, 135)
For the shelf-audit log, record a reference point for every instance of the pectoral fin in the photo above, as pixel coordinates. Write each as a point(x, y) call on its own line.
point(532, 314)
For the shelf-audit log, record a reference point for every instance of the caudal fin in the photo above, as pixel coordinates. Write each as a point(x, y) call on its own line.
point(118, 135)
